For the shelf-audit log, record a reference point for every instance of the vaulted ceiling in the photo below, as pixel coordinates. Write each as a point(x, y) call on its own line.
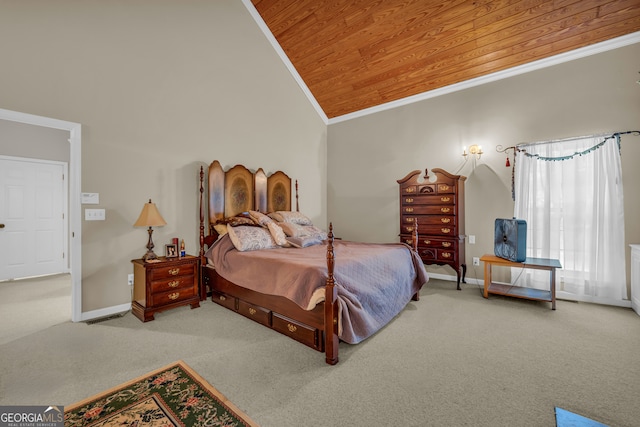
point(358, 54)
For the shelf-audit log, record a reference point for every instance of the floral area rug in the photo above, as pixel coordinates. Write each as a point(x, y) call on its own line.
point(171, 396)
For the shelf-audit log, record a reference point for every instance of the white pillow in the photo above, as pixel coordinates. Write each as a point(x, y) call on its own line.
point(260, 218)
point(290, 216)
point(277, 234)
point(248, 238)
point(303, 242)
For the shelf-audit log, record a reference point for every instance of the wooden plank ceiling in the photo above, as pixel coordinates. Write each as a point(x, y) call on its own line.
point(356, 54)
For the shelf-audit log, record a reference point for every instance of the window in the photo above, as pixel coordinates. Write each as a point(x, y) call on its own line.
point(570, 194)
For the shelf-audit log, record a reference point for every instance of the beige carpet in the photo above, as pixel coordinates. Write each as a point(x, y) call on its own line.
point(31, 305)
point(451, 359)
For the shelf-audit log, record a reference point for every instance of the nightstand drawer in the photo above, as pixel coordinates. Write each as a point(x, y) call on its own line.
point(172, 271)
point(171, 297)
point(172, 283)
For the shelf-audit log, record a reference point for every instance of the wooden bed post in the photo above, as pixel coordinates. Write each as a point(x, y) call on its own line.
point(416, 296)
point(203, 261)
point(331, 307)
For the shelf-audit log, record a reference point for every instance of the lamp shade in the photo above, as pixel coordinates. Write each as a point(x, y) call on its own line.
point(150, 217)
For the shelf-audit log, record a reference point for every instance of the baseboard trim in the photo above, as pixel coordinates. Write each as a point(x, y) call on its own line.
point(469, 280)
point(104, 312)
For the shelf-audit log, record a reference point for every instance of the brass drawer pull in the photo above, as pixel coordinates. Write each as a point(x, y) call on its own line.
point(410, 190)
point(445, 230)
point(223, 298)
point(445, 220)
point(252, 311)
point(445, 199)
point(446, 255)
point(446, 244)
point(174, 295)
point(409, 219)
point(443, 187)
point(291, 327)
point(174, 271)
point(427, 242)
point(409, 229)
point(408, 210)
point(174, 284)
point(445, 210)
point(408, 200)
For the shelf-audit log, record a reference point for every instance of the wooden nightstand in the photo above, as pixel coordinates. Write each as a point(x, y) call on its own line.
point(165, 284)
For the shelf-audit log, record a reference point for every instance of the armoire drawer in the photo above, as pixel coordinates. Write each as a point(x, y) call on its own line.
point(432, 199)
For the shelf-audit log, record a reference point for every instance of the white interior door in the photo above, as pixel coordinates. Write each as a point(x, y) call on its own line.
point(33, 211)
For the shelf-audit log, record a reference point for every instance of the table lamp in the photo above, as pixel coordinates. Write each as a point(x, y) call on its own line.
point(150, 217)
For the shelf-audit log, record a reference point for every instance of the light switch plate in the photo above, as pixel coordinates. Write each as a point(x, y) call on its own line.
point(94, 215)
point(472, 239)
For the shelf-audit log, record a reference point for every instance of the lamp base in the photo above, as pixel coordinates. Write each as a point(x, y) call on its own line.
point(150, 255)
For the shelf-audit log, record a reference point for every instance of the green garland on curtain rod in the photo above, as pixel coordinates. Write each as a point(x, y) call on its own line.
point(516, 148)
point(581, 153)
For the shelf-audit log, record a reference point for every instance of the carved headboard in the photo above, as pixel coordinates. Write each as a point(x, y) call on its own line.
point(239, 190)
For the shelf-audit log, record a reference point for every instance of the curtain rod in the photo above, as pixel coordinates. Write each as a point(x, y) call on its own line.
point(499, 148)
point(571, 138)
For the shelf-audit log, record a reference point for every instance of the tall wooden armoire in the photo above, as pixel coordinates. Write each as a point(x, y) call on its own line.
point(437, 206)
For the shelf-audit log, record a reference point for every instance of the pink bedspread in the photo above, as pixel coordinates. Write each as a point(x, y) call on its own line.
point(374, 281)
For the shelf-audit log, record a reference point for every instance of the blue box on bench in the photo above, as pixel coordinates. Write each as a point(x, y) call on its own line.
point(510, 239)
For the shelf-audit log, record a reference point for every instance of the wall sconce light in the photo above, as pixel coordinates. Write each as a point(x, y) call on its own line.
point(150, 217)
point(474, 150)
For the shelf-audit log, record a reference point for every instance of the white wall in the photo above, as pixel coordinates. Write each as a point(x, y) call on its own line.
point(160, 88)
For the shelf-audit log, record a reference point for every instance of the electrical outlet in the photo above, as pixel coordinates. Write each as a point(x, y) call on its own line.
point(130, 279)
point(476, 260)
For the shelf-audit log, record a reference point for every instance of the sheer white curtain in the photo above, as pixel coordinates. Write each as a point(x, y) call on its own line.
point(573, 206)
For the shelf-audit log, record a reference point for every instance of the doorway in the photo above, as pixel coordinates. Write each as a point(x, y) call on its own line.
point(75, 210)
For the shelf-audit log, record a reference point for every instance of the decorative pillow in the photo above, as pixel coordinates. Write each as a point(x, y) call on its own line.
point(290, 216)
point(260, 218)
point(237, 220)
point(247, 238)
point(312, 230)
point(277, 234)
point(303, 242)
point(293, 230)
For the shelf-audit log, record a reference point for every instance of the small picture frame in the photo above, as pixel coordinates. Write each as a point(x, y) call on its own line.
point(171, 251)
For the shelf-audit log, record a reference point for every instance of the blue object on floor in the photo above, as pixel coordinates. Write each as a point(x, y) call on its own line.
point(565, 418)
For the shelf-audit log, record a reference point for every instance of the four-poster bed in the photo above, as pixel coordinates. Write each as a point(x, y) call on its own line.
point(297, 291)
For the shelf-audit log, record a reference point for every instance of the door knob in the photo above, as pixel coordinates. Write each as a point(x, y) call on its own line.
point(1, 225)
